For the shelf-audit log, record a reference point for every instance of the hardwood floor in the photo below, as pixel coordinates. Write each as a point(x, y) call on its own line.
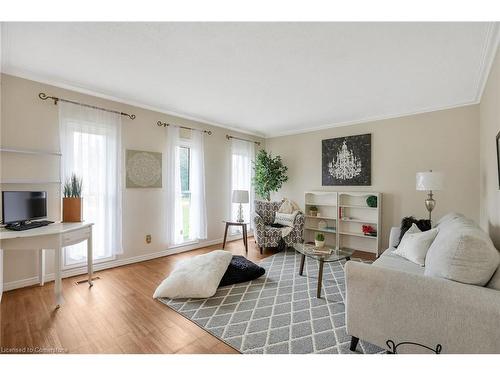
point(117, 315)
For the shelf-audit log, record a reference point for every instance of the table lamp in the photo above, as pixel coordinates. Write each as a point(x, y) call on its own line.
point(240, 196)
point(430, 181)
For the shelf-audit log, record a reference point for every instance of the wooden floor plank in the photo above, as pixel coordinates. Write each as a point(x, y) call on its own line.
point(117, 315)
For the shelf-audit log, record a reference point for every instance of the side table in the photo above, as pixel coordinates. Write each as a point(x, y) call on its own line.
point(243, 226)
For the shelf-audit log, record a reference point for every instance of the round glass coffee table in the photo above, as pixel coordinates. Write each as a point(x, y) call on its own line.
point(307, 250)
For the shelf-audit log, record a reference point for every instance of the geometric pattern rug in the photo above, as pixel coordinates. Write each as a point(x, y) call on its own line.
point(279, 312)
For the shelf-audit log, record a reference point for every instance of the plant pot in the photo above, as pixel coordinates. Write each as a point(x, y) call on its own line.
point(313, 213)
point(72, 210)
point(319, 244)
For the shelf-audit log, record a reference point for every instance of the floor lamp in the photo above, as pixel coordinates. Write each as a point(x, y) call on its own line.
point(430, 181)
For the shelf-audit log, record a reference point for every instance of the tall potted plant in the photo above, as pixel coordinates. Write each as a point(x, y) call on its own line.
point(72, 200)
point(270, 174)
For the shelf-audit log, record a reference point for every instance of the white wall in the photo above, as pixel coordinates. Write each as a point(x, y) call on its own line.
point(490, 126)
point(28, 122)
point(446, 141)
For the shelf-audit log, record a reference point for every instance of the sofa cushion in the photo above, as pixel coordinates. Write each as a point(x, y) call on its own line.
point(390, 260)
point(415, 244)
point(495, 280)
point(462, 252)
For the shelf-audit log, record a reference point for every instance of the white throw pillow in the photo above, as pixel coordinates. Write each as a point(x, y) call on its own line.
point(196, 277)
point(415, 244)
point(285, 219)
point(288, 207)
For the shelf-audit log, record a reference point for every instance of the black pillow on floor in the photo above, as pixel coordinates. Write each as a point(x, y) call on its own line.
point(407, 222)
point(240, 270)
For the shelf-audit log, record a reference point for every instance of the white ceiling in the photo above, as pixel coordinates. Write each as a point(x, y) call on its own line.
point(263, 78)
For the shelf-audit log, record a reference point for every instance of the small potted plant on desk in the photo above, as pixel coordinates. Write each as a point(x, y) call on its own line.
point(313, 211)
point(319, 241)
point(72, 201)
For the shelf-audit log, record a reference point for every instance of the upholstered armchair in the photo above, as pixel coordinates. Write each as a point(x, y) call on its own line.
point(267, 236)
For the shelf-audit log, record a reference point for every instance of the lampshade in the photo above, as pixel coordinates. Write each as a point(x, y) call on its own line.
point(240, 196)
point(430, 181)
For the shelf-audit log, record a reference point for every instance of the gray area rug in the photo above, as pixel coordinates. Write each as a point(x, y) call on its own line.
point(279, 312)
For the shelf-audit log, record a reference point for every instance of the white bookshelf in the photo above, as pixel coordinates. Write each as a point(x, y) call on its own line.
point(326, 203)
point(345, 213)
point(354, 212)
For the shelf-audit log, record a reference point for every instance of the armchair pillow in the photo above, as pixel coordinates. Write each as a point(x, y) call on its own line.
point(415, 244)
point(285, 219)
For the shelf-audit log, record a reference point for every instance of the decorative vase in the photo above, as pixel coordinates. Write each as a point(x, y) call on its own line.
point(72, 210)
point(319, 244)
point(371, 201)
point(322, 224)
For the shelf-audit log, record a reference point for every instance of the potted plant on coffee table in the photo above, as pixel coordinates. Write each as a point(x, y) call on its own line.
point(72, 200)
point(319, 241)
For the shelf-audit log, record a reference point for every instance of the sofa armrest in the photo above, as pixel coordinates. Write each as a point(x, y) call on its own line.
point(384, 304)
point(394, 236)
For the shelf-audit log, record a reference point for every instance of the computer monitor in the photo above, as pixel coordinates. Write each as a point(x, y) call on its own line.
point(21, 206)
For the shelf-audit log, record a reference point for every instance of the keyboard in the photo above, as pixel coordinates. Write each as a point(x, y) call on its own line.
point(26, 226)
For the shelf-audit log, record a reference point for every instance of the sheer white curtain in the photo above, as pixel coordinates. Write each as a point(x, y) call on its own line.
point(91, 148)
point(173, 187)
point(198, 207)
point(242, 158)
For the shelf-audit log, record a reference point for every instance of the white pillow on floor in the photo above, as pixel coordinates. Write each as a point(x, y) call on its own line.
point(415, 244)
point(196, 277)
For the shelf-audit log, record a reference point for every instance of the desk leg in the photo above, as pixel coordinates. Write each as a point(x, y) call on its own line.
point(90, 258)
point(58, 277)
point(225, 236)
point(41, 266)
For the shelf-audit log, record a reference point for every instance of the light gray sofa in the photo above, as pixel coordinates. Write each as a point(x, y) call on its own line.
point(395, 299)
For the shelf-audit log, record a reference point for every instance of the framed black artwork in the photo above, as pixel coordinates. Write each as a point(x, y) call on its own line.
point(347, 161)
point(498, 158)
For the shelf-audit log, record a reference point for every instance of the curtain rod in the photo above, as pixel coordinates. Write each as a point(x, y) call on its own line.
point(241, 139)
point(44, 96)
point(164, 124)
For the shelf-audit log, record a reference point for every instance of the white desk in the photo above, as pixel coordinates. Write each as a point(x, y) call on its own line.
point(53, 236)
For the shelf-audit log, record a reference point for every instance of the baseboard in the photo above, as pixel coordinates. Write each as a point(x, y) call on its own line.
point(114, 263)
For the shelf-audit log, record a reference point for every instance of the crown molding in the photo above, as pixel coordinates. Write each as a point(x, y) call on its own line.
point(367, 120)
point(490, 47)
point(82, 90)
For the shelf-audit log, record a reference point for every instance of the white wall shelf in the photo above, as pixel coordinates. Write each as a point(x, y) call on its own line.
point(347, 212)
point(321, 230)
point(28, 151)
point(27, 181)
point(354, 212)
point(326, 203)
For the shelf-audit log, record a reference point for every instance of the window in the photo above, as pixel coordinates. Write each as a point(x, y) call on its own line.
point(90, 146)
point(242, 157)
point(185, 170)
point(185, 187)
point(89, 150)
